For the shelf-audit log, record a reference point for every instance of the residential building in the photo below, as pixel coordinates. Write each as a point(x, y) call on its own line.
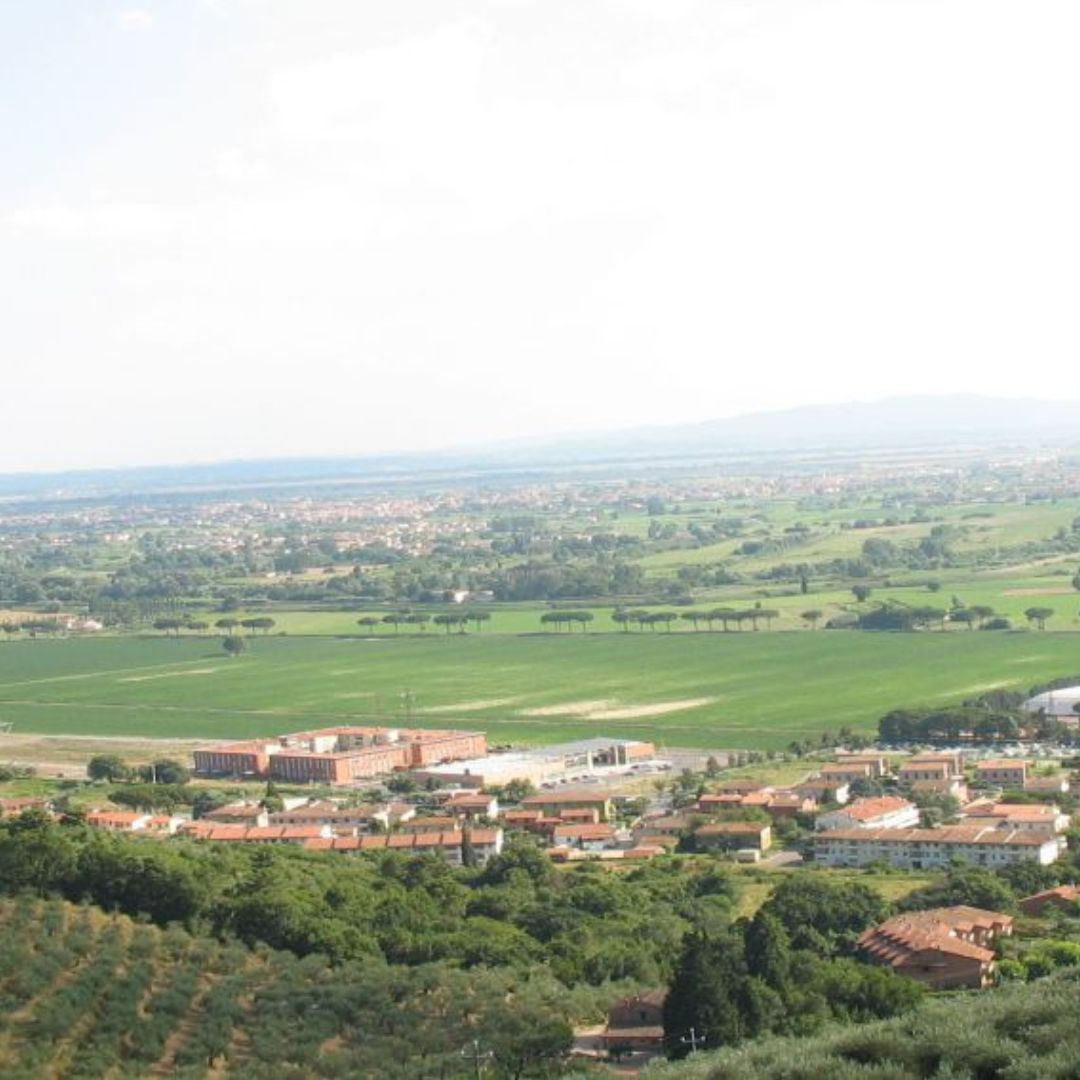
point(550, 803)
point(952, 786)
point(720, 800)
point(1038, 818)
point(429, 825)
point(588, 837)
point(926, 849)
point(825, 791)
point(945, 948)
point(879, 765)
point(471, 805)
point(917, 770)
point(486, 843)
point(849, 771)
point(1055, 784)
point(238, 814)
point(356, 819)
point(1004, 771)
point(886, 812)
point(14, 807)
point(729, 835)
point(787, 806)
point(667, 825)
point(637, 1022)
point(740, 787)
point(1062, 898)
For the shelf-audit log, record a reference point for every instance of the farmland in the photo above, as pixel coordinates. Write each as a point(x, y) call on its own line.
point(86, 994)
point(746, 691)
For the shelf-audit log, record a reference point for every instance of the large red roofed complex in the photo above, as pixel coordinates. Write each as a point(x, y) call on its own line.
point(946, 948)
point(339, 755)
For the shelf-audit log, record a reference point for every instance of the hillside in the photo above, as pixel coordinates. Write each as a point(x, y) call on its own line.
point(86, 994)
point(1019, 1033)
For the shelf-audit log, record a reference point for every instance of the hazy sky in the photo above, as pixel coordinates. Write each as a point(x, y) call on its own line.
point(247, 228)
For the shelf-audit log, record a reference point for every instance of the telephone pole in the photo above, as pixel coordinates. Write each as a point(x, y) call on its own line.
point(693, 1040)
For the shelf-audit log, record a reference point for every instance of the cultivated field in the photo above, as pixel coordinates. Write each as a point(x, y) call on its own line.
point(755, 691)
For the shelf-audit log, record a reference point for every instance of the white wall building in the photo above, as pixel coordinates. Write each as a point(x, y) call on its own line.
point(887, 812)
point(932, 849)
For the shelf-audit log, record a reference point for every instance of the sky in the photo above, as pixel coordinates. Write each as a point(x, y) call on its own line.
point(269, 228)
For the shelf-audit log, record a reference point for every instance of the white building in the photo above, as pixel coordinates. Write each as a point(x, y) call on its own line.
point(887, 812)
point(1060, 704)
point(932, 849)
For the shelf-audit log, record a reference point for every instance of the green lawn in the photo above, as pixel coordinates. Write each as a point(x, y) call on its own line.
point(709, 690)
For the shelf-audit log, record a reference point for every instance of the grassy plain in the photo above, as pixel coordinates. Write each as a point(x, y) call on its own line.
point(756, 691)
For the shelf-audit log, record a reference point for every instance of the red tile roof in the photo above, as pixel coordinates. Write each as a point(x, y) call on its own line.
point(868, 809)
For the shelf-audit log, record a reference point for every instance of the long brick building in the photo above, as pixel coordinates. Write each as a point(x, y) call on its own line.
point(340, 755)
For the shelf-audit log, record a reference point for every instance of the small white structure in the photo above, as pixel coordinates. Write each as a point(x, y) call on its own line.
point(1060, 704)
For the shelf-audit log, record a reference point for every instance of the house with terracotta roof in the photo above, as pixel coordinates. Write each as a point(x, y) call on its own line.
point(848, 770)
point(636, 1022)
point(719, 800)
point(673, 825)
point(931, 766)
point(471, 805)
point(885, 812)
point(550, 803)
point(954, 787)
point(14, 807)
point(429, 825)
point(740, 787)
point(529, 820)
point(824, 791)
point(449, 846)
point(1004, 771)
point(734, 835)
point(1062, 898)
point(784, 805)
point(945, 948)
point(344, 819)
point(878, 763)
point(1042, 818)
point(116, 820)
point(588, 836)
point(242, 813)
point(1054, 784)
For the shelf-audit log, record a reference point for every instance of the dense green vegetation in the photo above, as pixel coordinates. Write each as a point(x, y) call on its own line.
point(1015, 1033)
point(589, 927)
point(83, 994)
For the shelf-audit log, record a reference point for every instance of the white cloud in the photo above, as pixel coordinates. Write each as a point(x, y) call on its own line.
point(133, 21)
point(524, 216)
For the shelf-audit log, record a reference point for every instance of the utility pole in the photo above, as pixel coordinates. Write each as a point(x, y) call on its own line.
point(693, 1040)
point(478, 1057)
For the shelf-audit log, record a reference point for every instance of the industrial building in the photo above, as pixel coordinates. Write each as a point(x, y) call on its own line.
point(340, 755)
point(549, 764)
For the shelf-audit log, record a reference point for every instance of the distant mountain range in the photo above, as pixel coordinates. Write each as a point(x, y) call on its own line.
point(896, 421)
point(918, 421)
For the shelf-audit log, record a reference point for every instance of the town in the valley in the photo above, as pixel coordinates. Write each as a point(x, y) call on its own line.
point(359, 791)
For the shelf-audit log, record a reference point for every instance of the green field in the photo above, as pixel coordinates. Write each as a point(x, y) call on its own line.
point(754, 691)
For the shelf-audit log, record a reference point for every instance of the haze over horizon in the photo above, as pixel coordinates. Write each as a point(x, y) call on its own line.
point(232, 229)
